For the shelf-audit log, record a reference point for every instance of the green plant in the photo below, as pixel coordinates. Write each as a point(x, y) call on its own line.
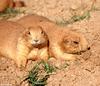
point(40, 73)
point(47, 67)
point(9, 12)
point(85, 15)
point(75, 18)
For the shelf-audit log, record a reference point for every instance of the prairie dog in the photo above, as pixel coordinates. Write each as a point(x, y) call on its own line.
point(18, 43)
point(58, 37)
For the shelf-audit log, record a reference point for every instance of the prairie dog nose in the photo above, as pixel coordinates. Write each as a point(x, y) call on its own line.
point(36, 40)
point(88, 48)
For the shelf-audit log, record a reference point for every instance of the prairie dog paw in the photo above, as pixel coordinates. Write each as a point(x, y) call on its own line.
point(21, 63)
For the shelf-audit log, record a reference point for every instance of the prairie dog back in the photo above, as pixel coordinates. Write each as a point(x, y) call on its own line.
point(9, 33)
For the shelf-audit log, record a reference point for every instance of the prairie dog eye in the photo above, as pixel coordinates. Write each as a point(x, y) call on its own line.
point(42, 32)
point(28, 33)
point(75, 42)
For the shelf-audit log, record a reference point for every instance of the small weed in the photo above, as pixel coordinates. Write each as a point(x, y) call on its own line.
point(85, 15)
point(94, 9)
point(63, 22)
point(75, 18)
point(8, 13)
point(40, 73)
point(48, 68)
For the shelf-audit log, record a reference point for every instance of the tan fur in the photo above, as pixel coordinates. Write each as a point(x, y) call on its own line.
point(19, 43)
point(63, 42)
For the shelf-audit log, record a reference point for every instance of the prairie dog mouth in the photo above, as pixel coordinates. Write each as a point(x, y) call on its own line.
point(36, 42)
point(39, 46)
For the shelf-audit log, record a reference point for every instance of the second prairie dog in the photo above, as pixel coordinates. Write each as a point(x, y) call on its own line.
point(21, 44)
point(63, 42)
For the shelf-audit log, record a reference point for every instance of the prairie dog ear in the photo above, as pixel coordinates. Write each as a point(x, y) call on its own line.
point(42, 31)
point(27, 30)
point(40, 27)
point(65, 38)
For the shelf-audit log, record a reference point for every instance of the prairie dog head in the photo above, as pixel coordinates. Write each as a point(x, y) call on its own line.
point(36, 36)
point(75, 43)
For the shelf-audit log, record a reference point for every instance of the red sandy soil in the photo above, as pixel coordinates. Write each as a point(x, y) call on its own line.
point(84, 72)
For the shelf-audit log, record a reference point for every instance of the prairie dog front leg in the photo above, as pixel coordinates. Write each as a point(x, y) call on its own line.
point(38, 54)
point(33, 54)
point(22, 53)
point(59, 53)
point(43, 53)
